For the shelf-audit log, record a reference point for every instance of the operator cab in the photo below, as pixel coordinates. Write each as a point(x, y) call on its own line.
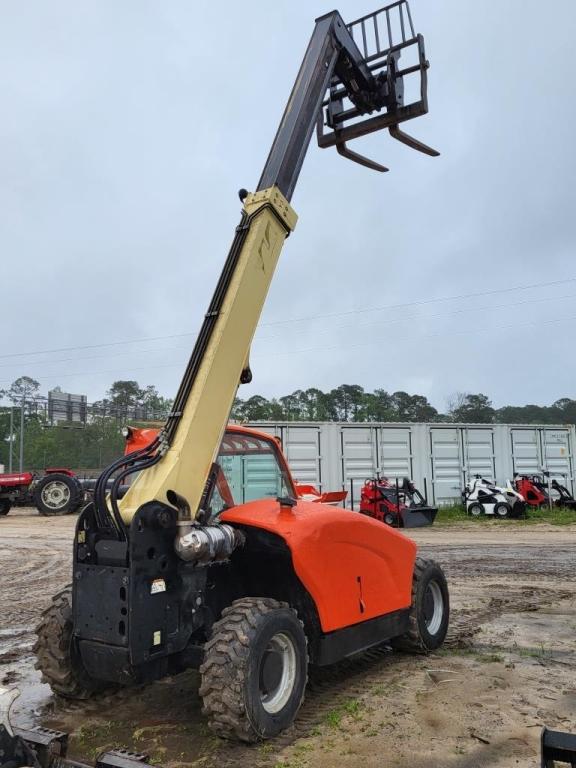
point(249, 466)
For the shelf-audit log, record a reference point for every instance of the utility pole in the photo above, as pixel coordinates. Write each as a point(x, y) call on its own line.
point(22, 434)
point(11, 442)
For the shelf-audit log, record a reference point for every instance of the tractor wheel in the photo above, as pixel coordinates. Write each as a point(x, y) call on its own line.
point(4, 507)
point(430, 611)
point(502, 510)
point(56, 656)
point(57, 494)
point(255, 670)
point(390, 519)
point(476, 509)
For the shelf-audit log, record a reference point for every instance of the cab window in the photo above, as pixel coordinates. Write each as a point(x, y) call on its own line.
point(248, 469)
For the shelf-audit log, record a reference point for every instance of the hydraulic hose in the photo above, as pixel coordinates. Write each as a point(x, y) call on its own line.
point(103, 514)
point(136, 467)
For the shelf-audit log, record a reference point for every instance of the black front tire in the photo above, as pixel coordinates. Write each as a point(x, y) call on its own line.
point(57, 494)
point(4, 507)
point(502, 510)
point(390, 519)
point(476, 509)
point(56, 657)
point(430, 610)
point(255, 670)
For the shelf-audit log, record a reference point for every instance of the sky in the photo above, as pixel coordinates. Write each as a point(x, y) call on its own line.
point(128, 127)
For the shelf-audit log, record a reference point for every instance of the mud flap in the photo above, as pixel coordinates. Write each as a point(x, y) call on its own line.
point(557, 747)
point(418, 517)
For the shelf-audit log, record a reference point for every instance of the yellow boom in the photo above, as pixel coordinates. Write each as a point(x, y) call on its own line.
point(187, 461)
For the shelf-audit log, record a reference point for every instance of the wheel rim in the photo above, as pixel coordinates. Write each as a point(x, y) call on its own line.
point(389, 519)
point(55, 495)
point(433, 607)
point(502, 510)
point(277, 673)
point(475, 510)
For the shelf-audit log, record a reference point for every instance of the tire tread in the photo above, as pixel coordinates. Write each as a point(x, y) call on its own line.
point(53, 652)
point(225, 667)
point(412, 641)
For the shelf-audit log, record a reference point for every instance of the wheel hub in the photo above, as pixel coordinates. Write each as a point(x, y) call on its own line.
point(433, 605)
point(55, 495)
point(277, 674)
point(271, 673)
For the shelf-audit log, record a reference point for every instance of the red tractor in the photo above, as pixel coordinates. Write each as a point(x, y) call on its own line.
point(57, 492)
point(541, 491)
point(397, 504)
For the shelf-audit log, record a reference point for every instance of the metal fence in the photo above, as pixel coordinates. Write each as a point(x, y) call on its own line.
point(440, 458)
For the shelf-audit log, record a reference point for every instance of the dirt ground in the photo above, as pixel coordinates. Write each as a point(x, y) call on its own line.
point(509, 666)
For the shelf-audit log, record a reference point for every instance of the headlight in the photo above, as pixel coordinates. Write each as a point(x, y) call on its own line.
point(126, 432)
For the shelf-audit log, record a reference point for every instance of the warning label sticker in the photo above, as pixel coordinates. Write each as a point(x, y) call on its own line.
point(158, 585)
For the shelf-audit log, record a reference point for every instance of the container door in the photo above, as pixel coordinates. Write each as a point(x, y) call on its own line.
point(479, 453)
point(395, 452)
point(557, 453)
point(359, 459)
point(526, 457)
point(446, 461)
point(302, 448)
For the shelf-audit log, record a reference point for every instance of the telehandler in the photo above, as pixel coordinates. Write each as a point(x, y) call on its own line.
point(209, 559)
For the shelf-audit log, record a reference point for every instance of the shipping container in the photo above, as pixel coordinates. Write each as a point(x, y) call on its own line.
point(439, 458)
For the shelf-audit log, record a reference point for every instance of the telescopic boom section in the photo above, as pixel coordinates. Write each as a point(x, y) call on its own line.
point(337, 84)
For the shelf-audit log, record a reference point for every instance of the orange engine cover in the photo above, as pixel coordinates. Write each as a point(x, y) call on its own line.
point(354, 567)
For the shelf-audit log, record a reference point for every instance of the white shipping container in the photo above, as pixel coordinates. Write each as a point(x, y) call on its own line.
point(439, 458)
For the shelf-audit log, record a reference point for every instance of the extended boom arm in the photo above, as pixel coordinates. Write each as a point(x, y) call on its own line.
point(338, 85)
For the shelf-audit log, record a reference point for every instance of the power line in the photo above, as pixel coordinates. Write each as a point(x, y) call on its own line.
point(323, 348)
point(422, 302)
point(307, 318)
point(402, 319)
point(423, 336)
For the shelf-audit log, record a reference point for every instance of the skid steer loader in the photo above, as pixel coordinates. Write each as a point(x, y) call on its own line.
point(210, 559)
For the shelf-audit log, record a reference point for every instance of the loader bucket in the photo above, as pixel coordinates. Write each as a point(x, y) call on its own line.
point(43, 748)
point(557, 747)
point(418, 517)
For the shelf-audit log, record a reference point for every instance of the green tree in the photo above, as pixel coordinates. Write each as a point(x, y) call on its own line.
point(256, 408)
point(346, 401)
point(291, 406)
point(24, 389)
point(474, 409)
point(153, 402)
point(125, 394)
point(564, 410)
point(407, 407)
point(378, 406)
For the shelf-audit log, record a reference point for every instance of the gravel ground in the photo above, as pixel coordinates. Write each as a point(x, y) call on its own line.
point(509, 665)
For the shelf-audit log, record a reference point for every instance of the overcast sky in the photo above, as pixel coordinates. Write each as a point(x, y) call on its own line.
point(128, 127)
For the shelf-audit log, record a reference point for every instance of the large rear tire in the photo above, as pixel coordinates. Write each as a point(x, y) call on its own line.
point(430, 611)
point(4, 507)
point(56, 656)
point(57, 494)
point(255, 670)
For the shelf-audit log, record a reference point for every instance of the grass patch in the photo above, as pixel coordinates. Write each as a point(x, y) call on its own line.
point(554, 516)
point(456, 513)
point(353, 708)
point(490, 658)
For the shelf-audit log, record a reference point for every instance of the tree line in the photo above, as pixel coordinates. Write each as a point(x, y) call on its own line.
point(97, 441)
point(350, 402)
